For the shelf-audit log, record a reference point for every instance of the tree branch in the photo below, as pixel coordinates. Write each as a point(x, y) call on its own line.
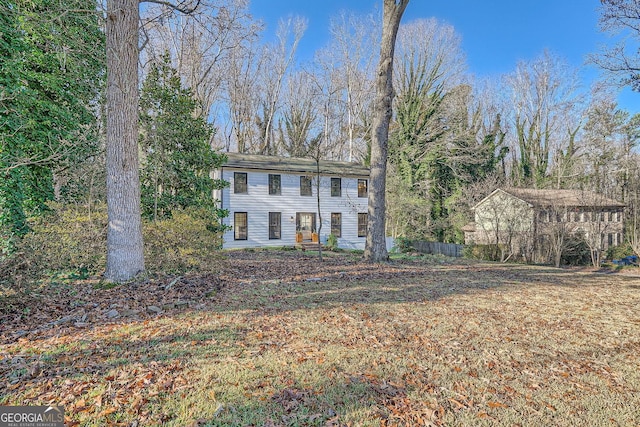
point(180, 7)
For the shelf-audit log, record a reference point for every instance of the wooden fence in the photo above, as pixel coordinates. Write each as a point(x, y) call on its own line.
point(448, 249)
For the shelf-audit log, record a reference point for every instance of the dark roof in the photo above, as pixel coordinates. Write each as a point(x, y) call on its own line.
point(572, 198)
point(293, 164)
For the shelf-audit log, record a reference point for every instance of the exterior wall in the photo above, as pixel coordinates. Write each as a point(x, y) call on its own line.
point(257, 202)
point(601, 227)
point(501, 217)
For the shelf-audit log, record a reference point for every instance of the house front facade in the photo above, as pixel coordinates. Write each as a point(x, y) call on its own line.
point(273, 201)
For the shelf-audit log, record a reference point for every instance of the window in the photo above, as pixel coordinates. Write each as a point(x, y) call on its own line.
point(240, 225)
point(610, 239)
point(274, 184)
point(610, 216)
point(336, 224)
point(336, 187)
point(362, 188)
point(240, 182)
point(305, 186)
point(274, 224)
point(362, 224)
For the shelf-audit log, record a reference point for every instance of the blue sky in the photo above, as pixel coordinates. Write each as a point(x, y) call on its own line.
point(496, 34)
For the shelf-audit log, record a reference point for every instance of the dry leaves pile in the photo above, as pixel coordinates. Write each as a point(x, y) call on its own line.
point(278, 339)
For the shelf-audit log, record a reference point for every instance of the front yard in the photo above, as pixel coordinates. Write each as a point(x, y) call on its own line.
point(275, 339)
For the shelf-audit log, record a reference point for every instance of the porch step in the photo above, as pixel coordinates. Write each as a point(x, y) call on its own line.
point(308, 246)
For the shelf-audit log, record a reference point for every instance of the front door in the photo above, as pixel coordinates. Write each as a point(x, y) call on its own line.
point(306, 224)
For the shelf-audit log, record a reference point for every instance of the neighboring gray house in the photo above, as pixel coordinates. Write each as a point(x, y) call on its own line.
point(272, 201)
point(528, 220)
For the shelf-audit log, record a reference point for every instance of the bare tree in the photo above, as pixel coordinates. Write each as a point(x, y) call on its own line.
point(558, 231)
point(507, 224)
point(351, 56)
point(298, 129)
point(200, 44)
point(242, 97)
point(278, 60)
point(621, 62)
point(375, 247)
point(543, 93)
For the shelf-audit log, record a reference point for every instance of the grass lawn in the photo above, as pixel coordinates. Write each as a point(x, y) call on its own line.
point(274, 339)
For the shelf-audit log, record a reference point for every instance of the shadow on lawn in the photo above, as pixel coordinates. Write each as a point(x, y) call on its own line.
point(140, 381)
point(158, 358)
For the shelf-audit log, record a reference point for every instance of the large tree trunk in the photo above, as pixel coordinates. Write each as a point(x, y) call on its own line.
point(125, 256)
point(376, 248)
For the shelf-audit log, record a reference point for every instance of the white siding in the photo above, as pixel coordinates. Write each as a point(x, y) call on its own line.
point(257, 202)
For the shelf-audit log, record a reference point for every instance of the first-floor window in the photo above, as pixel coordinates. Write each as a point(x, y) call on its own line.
point(362, 225)
point(275, 225)
point(240, 226)
point(336, 224)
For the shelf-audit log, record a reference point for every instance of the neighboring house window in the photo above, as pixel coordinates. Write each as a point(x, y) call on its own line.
point(362, 188)
point(610, 216)
point(336, 224)
point(275, 225)
point(274, 184)
point(305, 186)
point(336, 187)
point(240, 226)
point(362, 224)
point(240, 182)
point(610, 239)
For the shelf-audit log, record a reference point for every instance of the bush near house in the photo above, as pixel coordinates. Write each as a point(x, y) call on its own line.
point(69, 243)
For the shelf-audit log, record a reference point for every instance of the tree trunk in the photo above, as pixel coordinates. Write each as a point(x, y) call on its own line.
point(125, 256)
point(376, 247)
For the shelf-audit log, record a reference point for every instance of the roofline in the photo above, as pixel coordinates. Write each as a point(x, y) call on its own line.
point(616, 204)
point(294, 164)
point(503, 191)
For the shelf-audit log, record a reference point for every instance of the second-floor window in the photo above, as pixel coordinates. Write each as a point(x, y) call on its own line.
point(274, 184)
point(305, 186)
point(240, 182)
point(336, 187)
point(362, 188)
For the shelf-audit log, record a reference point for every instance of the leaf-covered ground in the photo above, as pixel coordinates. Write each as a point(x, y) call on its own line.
point(277, 339)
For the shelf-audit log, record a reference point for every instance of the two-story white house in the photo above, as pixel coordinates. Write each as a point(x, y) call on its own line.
point(273, 201)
